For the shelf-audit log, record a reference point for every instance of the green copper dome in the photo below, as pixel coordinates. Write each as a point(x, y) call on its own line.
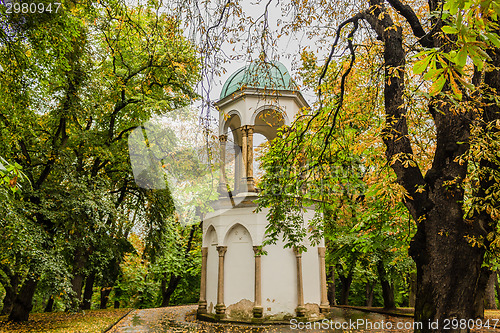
point(271, 75)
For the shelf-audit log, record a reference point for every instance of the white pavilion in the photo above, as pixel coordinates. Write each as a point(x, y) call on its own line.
point(237, 282)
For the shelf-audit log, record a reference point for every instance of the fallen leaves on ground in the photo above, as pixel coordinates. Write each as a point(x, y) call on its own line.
point(91, 321)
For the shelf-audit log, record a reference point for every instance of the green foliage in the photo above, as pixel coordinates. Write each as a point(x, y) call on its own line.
point(10, 174)
point(335, 165)
point(72, 86)
point(144, 271)
point(470, 29)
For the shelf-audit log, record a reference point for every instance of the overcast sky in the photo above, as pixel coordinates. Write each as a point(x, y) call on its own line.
point(287, 49)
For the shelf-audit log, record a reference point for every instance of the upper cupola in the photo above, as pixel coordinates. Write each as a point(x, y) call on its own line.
point(268, 75)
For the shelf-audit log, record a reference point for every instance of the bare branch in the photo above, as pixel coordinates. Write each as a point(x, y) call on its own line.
point(350, 46)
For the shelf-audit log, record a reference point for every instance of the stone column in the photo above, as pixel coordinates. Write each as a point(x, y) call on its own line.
point(244, 155)
point(300, 310)
point(220, 308)
point(237, 168)
point(250, 182)
point(257, 308)
point(202, 304)
point(222, 188)
point(324, 306)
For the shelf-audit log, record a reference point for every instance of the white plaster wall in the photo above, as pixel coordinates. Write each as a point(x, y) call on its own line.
point(279, 280)
point(223, 220)
point(239, 105)
point(247, 105)
point(287, 104)
point(279, 269)
point(212, 268)
point(311, 276)
point(239, 266)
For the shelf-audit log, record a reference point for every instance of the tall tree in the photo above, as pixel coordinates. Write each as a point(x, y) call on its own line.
point(78, 81)
point(453, 203)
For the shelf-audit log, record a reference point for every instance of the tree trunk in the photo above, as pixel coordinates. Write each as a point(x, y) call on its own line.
point(108, 281)
point(387, 287)
point(413, 289)
point(50, 304)
point(369, 293)
point(490, 299)
point(76, 286)
point(23, 302)
point(450, 281)
point(444, 251)
point(118, 293)
point(497, 285)
point(332, 298)
point(346, 286)
point(105, 291)
point(166, 293)
point(11, 288)
point(88, 291)
point(80, 259)
point(163, 290)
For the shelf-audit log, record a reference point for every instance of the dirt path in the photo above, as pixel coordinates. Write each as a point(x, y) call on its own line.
point(178, 319)
point(169, 319)
point(182, 319)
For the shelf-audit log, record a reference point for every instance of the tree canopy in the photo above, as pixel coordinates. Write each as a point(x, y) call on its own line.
point(398, 153)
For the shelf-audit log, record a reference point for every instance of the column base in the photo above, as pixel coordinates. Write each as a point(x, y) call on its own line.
point(258, 320)
point(324, 308)
point(220, 311)
point(202, 307)
point(300, 311)
point(243, 185)
point(250, 184)
point(222, 190)
point(258, 311)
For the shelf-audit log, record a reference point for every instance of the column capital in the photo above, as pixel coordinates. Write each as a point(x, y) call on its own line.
point(250, 129)
point(244, 130)
point(223, 138)
point(322, 251)
point(257, 249)
point(222, 250)
point(204, 251)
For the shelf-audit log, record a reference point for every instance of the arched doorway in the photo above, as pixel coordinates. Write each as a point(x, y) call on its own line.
point(210, 241)
point(238, 266)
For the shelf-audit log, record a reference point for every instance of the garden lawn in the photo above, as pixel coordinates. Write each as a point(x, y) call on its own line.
point(92, 321)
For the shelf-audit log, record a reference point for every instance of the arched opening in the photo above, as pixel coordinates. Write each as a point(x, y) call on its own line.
point(239, 266)
point(267, 121)
point(210, 241)
point(233, 156)
point(234, 160)
point(259, 141)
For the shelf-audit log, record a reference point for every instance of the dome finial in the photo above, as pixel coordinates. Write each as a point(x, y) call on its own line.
point(262, 56)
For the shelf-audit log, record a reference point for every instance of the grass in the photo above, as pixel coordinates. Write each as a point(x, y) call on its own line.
point(91, 321)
